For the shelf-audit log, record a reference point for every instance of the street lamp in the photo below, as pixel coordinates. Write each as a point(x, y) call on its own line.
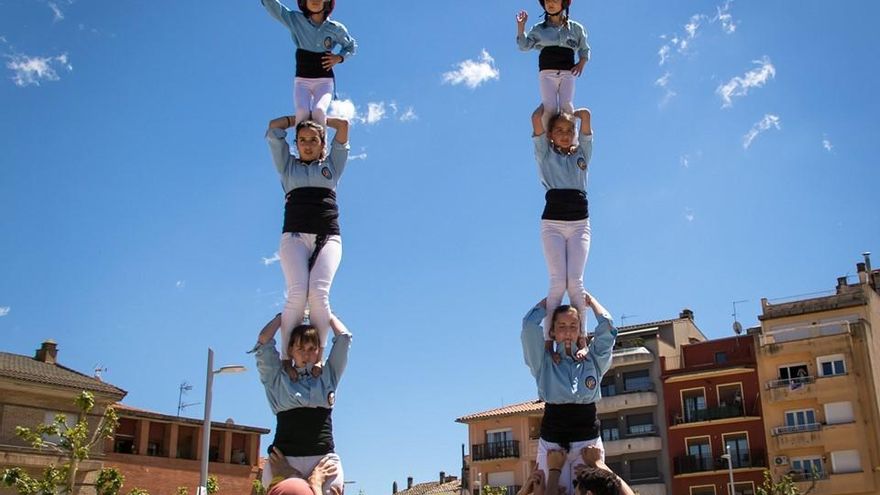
point(729, 468)
point(206, 428)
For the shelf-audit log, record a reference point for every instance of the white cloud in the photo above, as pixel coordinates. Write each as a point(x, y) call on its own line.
point(769, 121)
point(473, 73)
point(32, 70)
point(375, 112)
point(827, 145)
point(668, 94)
point(180, 284)
point(274, 259)
point(360, 156)
point(728, 25)
point(56, 11)
point(343, 109)
point(740, 86)
point(663, 81)
point(689, 214)
point(4, 310)
point(682, 41)
point(408, 115)
point(685, 161)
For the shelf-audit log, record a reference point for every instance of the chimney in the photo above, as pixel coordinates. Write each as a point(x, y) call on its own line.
point(841, 284)
point(867, 256)
point(48, 352)
point(863, 274)
point(393, 488)
point(686, 314)
point(442, 477)
point(409, 481)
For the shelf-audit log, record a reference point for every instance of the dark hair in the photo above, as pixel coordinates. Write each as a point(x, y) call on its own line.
point(563, 308)
point(329, 5)
point(307, 334)
point(322, 133)
point(598, 482)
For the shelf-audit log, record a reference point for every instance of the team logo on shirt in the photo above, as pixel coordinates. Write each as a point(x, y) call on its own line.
point(328, 42)
point(572, 42)
point(590, 382)
point(582, 163)
point(326, 173)
point(331, 398)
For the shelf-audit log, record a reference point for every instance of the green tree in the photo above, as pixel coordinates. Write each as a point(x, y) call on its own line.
point(259, 489)
point(493, 490)
point(73, 445)
point(109, 482)
point(785, 485)
point(182, 490)
point(212, 485)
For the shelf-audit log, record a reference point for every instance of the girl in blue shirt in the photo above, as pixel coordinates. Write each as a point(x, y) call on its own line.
point(316, 37)
point(311, 246)
point(563, 165)
point(558, 38)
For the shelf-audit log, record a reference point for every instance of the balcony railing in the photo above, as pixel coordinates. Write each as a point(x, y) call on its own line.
point(495, 450)
point(799, 476)
point(792, 383)
point(709, 414)
point(785, 430)
point(633, 388)
point(639, 430)
point(699, 463)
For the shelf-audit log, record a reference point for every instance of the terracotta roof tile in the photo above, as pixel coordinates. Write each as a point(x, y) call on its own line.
point(28, 369)
point(433, 488)
point(530, 407)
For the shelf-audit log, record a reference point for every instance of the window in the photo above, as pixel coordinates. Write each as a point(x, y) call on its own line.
point(637, 381)
point(703, 490)
point(610, 431)
point(505, 479)
point(609, 388)
point(699, 454)
point(49, 419)
point(837, 413)
point(498, 436)
point(846, 461)
point(743, 488)
point(801, 417)
point(731, 396)
point(643, 469)
point(790, 371)
point(640, 424)
point(831, 365)
point(693, 401)
point(499, 443)
point(806, 466)
point(738, 446)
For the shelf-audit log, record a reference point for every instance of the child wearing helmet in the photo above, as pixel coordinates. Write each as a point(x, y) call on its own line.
point(563, 157)
point(316, 38)
point(558, 38)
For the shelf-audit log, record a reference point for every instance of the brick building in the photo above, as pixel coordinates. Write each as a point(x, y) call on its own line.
point(713, 404)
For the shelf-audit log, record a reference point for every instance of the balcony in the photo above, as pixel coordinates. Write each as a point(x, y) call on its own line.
point(495, 450)
point(633, 445)
point(791, 388)
point(643, 397)
point(702, 463)
point(788, 437)
point(709, 414)
point(631, 355)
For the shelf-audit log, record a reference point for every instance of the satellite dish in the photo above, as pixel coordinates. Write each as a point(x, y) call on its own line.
point(737, 328)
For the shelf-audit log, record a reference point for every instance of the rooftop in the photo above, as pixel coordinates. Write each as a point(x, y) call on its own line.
point(30, 370)
point(433, 487)
point(125, 410)
point(531, 407)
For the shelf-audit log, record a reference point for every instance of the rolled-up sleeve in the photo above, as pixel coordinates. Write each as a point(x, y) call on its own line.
point(279, 148)
point(585, 142)
point(584, 47)
point(602, 345)
point(338, 359)
point(349, 44)
point(526, 42)
point(268, 362)
point(339, 156)
point(533, 339)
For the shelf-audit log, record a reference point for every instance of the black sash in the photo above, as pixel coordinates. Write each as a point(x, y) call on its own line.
point(565, 204)
point(304, 431)
point(308, 64)
point(311, 210)
point(567, 423)
point(556, 58)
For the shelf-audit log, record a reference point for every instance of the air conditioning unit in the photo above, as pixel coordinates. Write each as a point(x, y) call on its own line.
point(780, 460)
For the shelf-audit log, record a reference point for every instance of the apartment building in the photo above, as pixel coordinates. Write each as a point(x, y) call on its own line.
point(716, 428)
point(819, 368)
point(504, 441)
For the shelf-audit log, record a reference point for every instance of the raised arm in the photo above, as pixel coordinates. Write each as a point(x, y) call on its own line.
point(268, 331)
point(277, 10)
point(603, 339)
point(285, 122)
point(533, 337)
point(276, 136)
point(341, 128)
point(268, 360)
point(338, 359)
point(525, 43)
point(537, 122)
point(586, 121)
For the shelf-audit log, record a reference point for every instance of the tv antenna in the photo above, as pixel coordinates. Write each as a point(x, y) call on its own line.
point(737, 326)
point(184, 387)
point(99, 370)
point(625, 317)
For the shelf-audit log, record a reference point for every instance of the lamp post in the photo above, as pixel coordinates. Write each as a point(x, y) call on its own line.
point(206, 427)
point(729, 468)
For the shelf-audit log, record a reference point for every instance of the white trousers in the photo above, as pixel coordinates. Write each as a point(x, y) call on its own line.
point(572, 460)
point(312, 97)
point(566, 246)
point(557, 92)
point(306, 465)
point(307, 287)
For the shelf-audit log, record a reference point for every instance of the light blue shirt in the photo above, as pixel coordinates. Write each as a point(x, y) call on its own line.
point(295, 173)
point(570, 381)
point(558, 171)
point(308, 391)
point(568, 35)
point(319, 38)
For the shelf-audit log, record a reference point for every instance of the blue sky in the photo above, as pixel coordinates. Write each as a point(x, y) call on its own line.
point(138, 201)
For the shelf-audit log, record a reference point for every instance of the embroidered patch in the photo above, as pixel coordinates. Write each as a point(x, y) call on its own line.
point(582, 163)
point(326, 173)
point(331, 398)
point(572, 43)
point(328, 42)
point(590, 382)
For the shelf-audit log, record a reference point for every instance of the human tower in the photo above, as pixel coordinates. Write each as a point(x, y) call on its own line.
point(566, 363)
